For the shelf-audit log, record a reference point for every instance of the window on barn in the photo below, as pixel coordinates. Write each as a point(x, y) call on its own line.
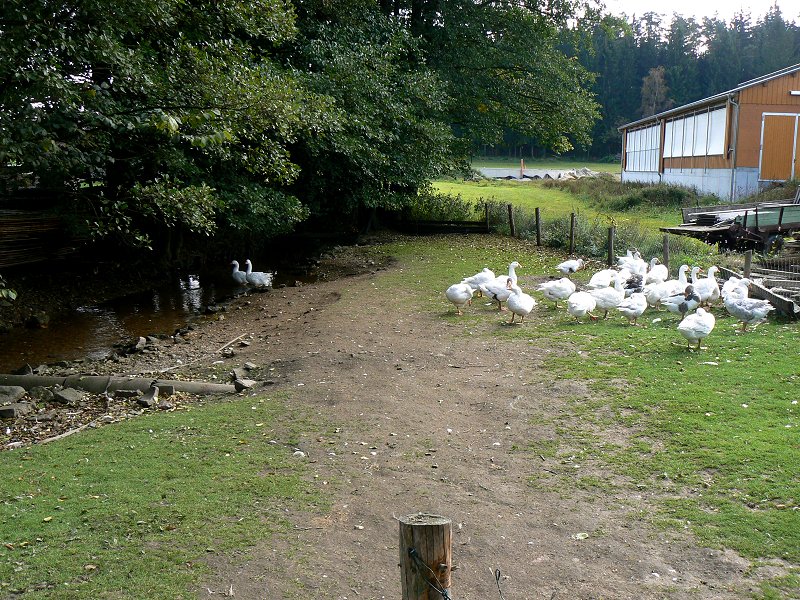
point(642, 148)
point(699, 134)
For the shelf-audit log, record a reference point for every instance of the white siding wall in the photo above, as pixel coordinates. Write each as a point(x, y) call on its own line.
point(642, 148)
point(700, 134)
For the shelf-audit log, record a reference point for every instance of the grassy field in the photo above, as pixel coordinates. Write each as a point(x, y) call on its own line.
point(552, 202)
point(544, 163)
point(129, 510)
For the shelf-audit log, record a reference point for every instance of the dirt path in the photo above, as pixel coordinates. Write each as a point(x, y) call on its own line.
point(425, 417)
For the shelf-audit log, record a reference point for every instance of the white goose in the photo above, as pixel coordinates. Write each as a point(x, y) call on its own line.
point(519, 303)
point(601, 279)
point(460, 294)
point(497, 289)
point(581, 304)
point(558, 289)
point(257, 278)
point(696, 327)
point(239, 277)
point(568, 267)
point(633, 307)
point(476, 280)
point(609, 297)
point(750, 311)
point(656, 292)
point(657, 272)
point(729, 286)
point(707, 287)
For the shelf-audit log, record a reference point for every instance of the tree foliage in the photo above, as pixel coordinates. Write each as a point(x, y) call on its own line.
point(152, 116)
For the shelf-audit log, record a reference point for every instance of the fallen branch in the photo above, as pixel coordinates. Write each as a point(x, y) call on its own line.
point(217, 351)
point(61, 436)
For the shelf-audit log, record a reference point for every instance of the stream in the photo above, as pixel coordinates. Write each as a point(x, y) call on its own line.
point(92, 330)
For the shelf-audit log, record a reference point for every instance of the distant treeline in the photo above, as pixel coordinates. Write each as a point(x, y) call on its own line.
point(649, 63)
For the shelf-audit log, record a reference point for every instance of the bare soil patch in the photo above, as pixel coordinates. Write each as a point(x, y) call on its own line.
point(419, 413)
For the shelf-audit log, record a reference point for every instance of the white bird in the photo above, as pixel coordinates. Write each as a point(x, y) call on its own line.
point(633, 307)
point(476, 280)
point(601, 279)
point(570, 266)
point(696, 327)
point(239, 277)
point(708, 287)
point(609, 297)
point(497, 288)
point(657, 272)
point(557, 289)
point(257, 278)
point(682, 303)
point(581, 304)
point(632, 261)
point(460, 294)
point(750, 311)
point(519, 303)
point(729, 286)
point(676, 286)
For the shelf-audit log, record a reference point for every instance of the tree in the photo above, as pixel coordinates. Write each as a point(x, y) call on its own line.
point(655, 94)
point(153, 115)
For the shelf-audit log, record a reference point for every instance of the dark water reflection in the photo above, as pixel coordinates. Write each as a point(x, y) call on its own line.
point(92, 331)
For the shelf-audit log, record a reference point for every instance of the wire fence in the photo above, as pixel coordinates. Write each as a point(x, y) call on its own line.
point(596, 237)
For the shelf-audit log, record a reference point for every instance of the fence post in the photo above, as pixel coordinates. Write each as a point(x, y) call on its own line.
point(425, 556)
point(511, 220)
point(665, 252)
point(572, 234)
point(748, 263)
point(611, 231)
point(486, 212)
point(538, 227)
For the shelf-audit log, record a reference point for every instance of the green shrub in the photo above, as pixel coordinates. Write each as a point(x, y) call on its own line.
point(435, 206)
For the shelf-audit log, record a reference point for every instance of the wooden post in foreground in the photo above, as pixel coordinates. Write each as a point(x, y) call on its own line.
point(538, 227)
point(511, 220)
point(572, 234)
point(665, 252)
point(425, 556)
point(611, 258)
point(748, 263)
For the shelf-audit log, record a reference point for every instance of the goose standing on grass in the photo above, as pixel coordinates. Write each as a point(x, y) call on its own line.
point(601, 279)
point(460, 294)
point(608, 297)
point(581, 304)
point(707, 287)
point(657, 272)
point(633, 307)
point(519, 303)
point(750, 311)
point(568, 267)
point(729, 286)
point(497, 289)
point(696, 327)
point(239, 277)
point(476, 280)
point(558, 289)
point(257, 278)
point(682, 303)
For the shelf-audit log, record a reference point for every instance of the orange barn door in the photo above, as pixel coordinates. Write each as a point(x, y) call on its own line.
point(778, 143)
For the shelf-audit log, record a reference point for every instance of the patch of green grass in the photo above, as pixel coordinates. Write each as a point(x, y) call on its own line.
point(131, 509)
point(545, 163)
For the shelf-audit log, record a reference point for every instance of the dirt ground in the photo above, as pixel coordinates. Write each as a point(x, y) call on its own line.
point(425, 417)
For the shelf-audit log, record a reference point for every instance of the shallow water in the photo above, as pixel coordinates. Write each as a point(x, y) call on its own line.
point(93, 330)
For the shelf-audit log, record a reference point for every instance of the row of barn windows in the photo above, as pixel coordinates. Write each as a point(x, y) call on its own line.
point(699, 134)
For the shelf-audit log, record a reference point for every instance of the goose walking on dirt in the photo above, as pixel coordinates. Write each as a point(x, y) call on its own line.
point(460, 294)
point(519, 303)
point(581, 304)
point(558, 289)
point(498, 289)
point(257, 278)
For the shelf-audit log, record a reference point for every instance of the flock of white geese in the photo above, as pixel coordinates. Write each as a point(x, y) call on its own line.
point(631, 288)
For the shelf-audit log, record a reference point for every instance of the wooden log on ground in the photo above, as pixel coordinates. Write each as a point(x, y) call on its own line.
point(97, 384)
point(425, 556)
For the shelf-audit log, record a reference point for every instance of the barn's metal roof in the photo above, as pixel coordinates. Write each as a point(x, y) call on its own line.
point(711, 99)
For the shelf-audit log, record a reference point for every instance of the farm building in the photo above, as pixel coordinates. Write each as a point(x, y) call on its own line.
point(731, 144)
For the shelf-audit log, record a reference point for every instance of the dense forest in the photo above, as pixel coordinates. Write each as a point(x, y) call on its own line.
point(650, 63)
point(168, 125)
